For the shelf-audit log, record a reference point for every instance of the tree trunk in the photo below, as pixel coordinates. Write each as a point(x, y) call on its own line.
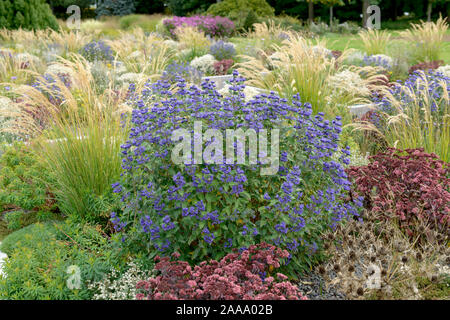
point(310, 11)
point(429, 7)
point(364, 12)
point(331, 16)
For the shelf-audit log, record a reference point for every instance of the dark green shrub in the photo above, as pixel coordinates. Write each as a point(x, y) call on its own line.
point(42, 256)
point(242, 12)
point(26, 14)
point(184, 7)
point(115, 8)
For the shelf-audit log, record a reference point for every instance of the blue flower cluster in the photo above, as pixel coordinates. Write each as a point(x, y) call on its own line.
point(175, 71)
point(48, 85)
point(222, 50)
point(425, 85)
point(376, 61)
point(97, 51)
point(206, 210)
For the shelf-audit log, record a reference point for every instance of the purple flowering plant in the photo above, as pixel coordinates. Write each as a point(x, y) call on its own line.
point(176, 70)
point(222, 50)
point(205, 211)
point(97, 51)
point(428, 85)
point(217, 27)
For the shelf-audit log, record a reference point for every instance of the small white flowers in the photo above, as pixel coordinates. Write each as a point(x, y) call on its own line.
point(120, 287)
point(349, 82)
point(27, 57)
point(135, 54)
point(5, 103)
point(204, 63)
point(445, 70)
point(354, 58)
point(321, 51)
point(171, 43)
point(59, 69)
point(130, 77)
point(249, 92)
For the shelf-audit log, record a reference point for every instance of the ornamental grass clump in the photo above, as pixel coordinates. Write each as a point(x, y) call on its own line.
point(416, 113)
point(204, 210)
point(428, 38)
point(248, 275)
point(375, 41)
point(304, 67)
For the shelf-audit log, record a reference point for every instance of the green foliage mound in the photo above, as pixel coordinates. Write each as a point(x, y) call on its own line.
point(26, 14)
point(46, 259)
point(24, 194)
point(244, 13)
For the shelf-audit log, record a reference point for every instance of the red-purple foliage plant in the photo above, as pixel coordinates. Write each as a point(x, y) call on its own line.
point(410, 184)
point(238, 276)
point(426, 66)
point(221, 67)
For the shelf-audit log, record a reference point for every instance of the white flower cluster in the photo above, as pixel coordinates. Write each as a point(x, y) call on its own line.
point(348, 82)
point(5, 103)
point(249, 92)
point(321, 51)
point(354, 58)
point(59, 69)
point(120, 287)
point(445, 70)
point(130, 77)
point(135, 54)
point(171, 43)
point(204, 64)
point(27, 57)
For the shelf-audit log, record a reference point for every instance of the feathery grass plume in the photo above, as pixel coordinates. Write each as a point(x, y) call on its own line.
point(39, 105)
point(305, 67)
point(428, 38)
point(71, 40)
point(417, 118)
point(192, 38)
point(11, 67)
point(375, 41)
point(267, 34)
point(141, 53)
point(267, 30)
point(83, 152)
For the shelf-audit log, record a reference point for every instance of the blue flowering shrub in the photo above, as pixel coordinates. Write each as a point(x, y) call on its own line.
point(205, 210)
point(97, 51)
point(222, 50)
point(183, 70)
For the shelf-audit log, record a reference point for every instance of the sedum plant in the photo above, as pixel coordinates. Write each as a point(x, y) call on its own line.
point(410, 186)
point(249, 275)
point(205, 210)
